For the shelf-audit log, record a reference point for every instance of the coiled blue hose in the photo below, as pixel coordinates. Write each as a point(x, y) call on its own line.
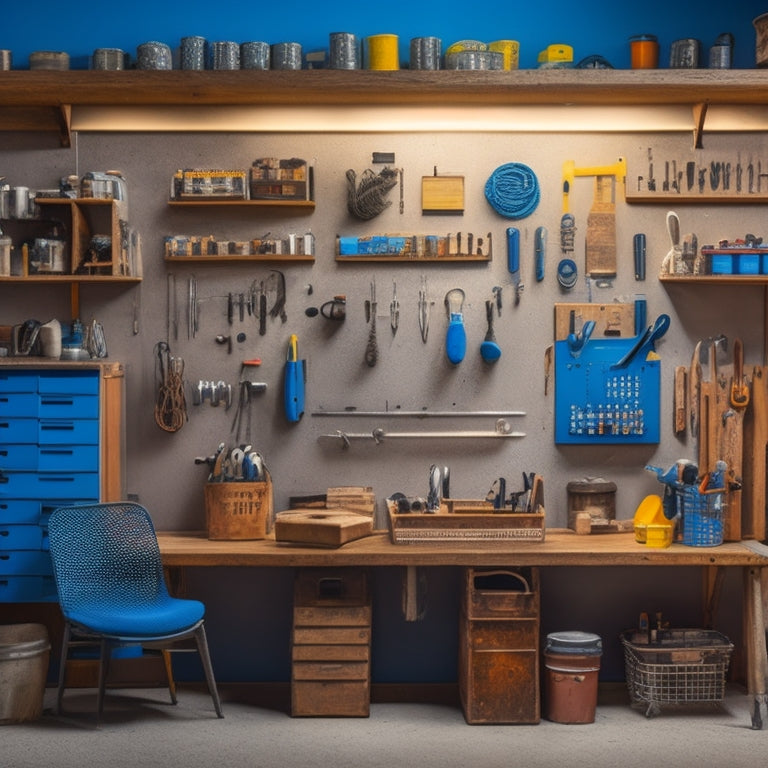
point(513, 191)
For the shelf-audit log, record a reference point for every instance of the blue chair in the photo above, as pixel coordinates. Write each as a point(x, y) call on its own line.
point(112, 590)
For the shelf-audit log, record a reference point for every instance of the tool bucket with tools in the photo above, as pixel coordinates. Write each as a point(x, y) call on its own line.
point(239, 510)
point(572, 664)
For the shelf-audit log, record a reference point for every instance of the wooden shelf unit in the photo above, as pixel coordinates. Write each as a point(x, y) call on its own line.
point(228, 203)
point(258, 259)
point(43, 100)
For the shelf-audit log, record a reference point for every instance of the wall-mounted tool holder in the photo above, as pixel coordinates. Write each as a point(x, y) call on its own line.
point(608, 391)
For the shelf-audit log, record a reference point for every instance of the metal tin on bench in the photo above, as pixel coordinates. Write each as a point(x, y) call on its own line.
point(254, 55)
point(193, 52)
point(684, 54)
point(286, 56)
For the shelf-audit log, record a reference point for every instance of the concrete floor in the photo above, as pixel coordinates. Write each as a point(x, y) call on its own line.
point(141, 728)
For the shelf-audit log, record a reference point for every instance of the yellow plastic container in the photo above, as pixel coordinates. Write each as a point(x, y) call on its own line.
point(651, 525)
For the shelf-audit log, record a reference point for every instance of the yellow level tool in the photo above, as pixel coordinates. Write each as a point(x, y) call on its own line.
point(618, 170)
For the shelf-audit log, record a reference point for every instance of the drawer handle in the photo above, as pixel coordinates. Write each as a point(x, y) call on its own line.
point(56, 401)
point(5, 533)
point(54, 427)
point(57, 479)
point(56, 451)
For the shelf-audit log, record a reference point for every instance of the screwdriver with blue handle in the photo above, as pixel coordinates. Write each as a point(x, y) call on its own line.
point(295, 377)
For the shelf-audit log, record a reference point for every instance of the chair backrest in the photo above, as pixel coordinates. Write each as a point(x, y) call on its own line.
point(105, 552)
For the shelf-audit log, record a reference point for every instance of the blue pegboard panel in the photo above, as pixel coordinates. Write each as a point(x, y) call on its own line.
point(600, 402)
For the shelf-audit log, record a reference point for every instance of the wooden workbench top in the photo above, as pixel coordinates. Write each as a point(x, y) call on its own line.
point(561, 547)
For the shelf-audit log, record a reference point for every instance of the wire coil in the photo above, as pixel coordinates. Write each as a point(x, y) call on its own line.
point(513, 191)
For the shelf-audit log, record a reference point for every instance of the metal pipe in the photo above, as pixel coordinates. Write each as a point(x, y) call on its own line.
point(379, 435)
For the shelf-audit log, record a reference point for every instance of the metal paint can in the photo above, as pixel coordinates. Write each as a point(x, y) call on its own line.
point(383, 52)
point(52, 60)
point(153, 55)
point(225, 54)
point(193, 52)
point(6, 59)
point(18, 203)
point(254, 55)
point(684, 53)
point(721, 53)
point(286, 55)
point(426, 52)
point(510, 49)
point(108, 58)
point(344, 50)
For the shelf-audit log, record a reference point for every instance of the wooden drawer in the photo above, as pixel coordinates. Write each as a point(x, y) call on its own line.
point(500, 686)
point(331, 670)
point(490, 635)
point(332, 616)
point(501, 592)
point(331, 635)
point(311, 698)
point(331, 653)
point(327, 587)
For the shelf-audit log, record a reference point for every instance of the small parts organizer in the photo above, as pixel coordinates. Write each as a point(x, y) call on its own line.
point(602, 397)
point(681, 666)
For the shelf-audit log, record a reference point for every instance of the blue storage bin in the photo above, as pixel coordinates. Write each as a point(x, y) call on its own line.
point(747, 264)
point(18, 381)
point(61, 485)
point(19, 511)
point(721, 264)
point(25, 563)
point(68, 382)
point(27, 589)
point(68, 432)
point(21, 537)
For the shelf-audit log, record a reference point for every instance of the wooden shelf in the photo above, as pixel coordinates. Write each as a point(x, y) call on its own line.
point(263, 258)
point(715, 279)
point(308, 204)
point(70, 279)
point(411, 259)
point(684, 198)
point(43, 100)
point(54, 90)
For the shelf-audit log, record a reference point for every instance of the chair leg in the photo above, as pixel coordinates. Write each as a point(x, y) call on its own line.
point(104, 659)
point(205, 657)
point(63, 666)
point(169, 674)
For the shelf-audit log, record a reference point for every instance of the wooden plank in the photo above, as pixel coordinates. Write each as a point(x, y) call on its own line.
point(321, 527)
point(680, 401)
point(615, 319)
point(753, 517)
point(600, 242)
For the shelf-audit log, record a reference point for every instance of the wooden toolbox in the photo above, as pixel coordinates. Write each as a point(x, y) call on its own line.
point(331, 643)
point(499, 645)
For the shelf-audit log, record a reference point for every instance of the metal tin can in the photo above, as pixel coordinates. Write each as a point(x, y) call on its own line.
point(286, 56)
point(225, 54)
point(6, 59)
point(254, 55)
point(425, 53)
point(193, 52)
point(108, 58)
point(684, 53)
point(344, 51)
point(154, 55)
point(383, 53)
point(510, 49)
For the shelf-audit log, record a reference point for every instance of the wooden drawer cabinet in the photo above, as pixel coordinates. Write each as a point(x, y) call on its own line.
point(331, 643)
point(499, 645)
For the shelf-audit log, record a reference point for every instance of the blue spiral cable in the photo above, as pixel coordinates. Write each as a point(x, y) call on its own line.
point(513, 191)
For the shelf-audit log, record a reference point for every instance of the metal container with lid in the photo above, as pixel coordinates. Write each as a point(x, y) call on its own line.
point(574, 642)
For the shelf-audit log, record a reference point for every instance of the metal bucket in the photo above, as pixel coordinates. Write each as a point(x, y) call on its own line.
point(24, 652)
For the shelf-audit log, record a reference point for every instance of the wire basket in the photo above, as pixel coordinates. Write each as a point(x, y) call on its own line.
point(702, 516)
point(682, 666)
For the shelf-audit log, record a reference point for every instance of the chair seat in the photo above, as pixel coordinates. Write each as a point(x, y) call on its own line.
point(169, 616)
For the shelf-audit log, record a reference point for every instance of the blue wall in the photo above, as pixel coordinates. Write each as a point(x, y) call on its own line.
point(590, 26)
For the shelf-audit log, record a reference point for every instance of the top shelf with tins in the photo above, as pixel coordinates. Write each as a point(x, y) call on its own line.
point(43, 100)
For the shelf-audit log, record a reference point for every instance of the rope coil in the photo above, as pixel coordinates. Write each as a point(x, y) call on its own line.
point(513, 191)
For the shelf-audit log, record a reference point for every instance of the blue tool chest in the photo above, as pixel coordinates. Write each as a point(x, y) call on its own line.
point(49, 456)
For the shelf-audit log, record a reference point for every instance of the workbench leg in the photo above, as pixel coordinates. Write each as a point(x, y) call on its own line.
point(713, 587)
point(754, 632)
point(414, 588)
